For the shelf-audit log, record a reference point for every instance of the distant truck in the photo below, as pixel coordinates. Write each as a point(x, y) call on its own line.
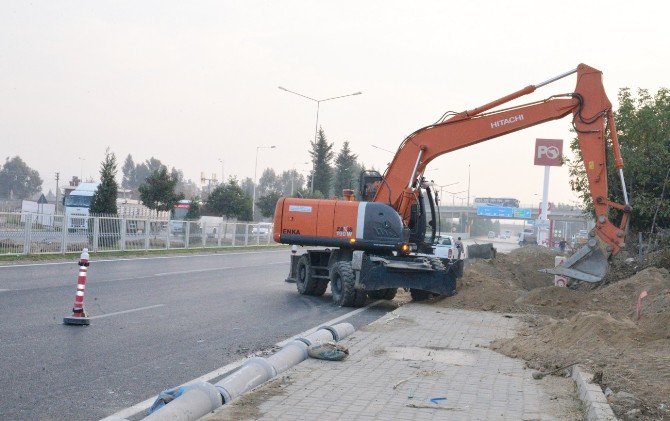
point(506, 234)
point(77, 205)
point(527, 237)
point(207, 224)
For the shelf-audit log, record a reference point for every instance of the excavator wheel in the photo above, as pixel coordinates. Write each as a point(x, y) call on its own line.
point(342, 282)
point(383, 294)
point(305, 283)
point(419, 294)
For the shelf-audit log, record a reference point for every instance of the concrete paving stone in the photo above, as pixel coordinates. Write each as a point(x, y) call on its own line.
point(495, 387)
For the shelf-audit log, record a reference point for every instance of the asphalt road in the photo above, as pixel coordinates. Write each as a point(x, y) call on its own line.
point(156, 323)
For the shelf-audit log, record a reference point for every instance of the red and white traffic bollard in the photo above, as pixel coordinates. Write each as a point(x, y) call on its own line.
point(79, 316)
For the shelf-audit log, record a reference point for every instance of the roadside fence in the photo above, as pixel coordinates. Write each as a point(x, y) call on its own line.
point(34, 233)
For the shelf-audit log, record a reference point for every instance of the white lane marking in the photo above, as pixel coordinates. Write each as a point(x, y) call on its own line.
point(126, 311)
point(190, 271)
point(128, 259)
point(142, 406)
point(208, 270)
point(5, 290)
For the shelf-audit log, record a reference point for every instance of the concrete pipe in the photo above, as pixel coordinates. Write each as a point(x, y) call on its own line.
point(293, 353)
point(321, 335)
point(341, 330)
point(198, 401)
point(254, 372)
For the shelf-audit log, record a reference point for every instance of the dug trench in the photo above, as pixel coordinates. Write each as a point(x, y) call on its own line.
point(594, 326)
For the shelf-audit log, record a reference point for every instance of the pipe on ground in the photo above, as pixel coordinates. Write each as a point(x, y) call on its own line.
point(197, 403)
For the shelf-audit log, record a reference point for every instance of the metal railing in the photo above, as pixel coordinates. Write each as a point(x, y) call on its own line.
point(32, 233)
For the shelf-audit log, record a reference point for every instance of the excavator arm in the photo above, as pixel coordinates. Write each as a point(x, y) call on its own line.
point(591, 110)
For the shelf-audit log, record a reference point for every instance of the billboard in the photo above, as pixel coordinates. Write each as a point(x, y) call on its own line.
point(549, 152)
point(504, 212)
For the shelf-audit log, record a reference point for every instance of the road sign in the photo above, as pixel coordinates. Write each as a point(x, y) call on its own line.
point(503, 212)
point(549, 152)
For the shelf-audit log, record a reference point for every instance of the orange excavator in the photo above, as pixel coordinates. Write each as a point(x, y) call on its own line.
point(376, 243)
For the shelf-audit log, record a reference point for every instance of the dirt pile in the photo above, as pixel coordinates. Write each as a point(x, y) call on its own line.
point(497, 284)
point(596, 327)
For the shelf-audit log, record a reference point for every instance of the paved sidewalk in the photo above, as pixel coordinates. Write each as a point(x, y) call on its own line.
point(400, 362)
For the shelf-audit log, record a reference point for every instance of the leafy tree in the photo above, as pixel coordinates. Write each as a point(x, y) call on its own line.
point(266, 204)
point(267, 183)
point(158, 190)
point(290, 182)
point(104, 198)
point(643, 123)
point(194, 210)
point(248, 186)
point(145, 169)
point(188, 188)
point(18, 180)
point(229, 200)
point(481, 226)
point(322, 153)
point(346, 170)
point(129, 180)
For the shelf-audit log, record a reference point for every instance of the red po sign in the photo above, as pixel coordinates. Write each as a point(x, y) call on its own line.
point(549, 152)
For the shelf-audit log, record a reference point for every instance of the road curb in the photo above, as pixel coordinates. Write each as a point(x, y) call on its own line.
point(593, 398)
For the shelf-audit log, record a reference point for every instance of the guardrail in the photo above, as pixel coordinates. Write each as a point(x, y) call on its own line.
point(31, 233)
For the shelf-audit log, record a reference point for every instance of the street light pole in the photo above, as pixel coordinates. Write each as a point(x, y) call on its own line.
point(253, 200)
point(316, 128)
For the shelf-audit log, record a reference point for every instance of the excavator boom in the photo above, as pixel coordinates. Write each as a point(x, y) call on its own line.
point(590, 109)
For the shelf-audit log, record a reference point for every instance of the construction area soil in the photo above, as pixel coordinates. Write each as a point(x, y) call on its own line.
point(595, 326)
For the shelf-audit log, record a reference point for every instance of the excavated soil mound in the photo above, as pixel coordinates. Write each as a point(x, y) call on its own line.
point(597, 327)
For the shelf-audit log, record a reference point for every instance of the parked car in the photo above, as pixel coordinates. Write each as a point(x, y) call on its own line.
point(492, 234)
point(261, 229)
point(445, 247)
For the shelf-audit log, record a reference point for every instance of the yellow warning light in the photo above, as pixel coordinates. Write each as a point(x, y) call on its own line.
point(352, 240)
point(405, 247)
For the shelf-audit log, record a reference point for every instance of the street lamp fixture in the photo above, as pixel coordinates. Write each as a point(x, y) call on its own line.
point(316, 129)
point(453, 196)
point(253, 200)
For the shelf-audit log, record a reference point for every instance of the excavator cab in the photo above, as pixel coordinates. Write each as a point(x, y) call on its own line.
point(368, 184)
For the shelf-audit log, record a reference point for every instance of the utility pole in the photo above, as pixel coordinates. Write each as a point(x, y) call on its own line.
point(57, 191)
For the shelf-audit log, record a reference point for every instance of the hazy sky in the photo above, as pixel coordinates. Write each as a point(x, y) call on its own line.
point(192, 83)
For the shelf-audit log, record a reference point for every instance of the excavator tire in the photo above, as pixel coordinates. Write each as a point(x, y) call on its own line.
point(419, 294)
point(342, 281)
point(304, 282)
point(383, 294)
point(361, 298)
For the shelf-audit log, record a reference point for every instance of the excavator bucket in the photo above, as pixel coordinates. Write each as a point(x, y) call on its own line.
point(589, 263)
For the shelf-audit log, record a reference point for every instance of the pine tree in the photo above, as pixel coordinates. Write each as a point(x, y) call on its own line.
point(158, 190)
point(129, 180)
point(322, 153)
point(346, 170)
point(104, 199)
